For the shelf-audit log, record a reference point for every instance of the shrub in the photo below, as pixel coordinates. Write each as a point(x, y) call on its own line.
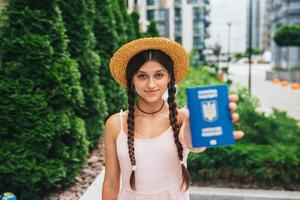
point(43, 142)
point(78, 20)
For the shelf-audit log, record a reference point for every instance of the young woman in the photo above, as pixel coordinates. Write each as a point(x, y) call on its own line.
point(147, 145)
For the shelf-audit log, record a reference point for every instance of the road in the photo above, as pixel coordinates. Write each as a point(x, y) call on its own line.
point(270, 94)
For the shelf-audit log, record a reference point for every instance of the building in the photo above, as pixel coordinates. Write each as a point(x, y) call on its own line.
point(261, 24)
point(284, 12)
point(185, 21)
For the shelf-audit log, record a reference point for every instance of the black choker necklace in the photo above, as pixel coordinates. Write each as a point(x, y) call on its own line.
point(151, 113)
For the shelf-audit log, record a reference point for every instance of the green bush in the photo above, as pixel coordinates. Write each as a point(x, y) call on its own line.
point(107, 42)
point(43, 142)
point(78, 20)
point(195, 77)
point(287, 35)
point(267, 155)
point(275, 164)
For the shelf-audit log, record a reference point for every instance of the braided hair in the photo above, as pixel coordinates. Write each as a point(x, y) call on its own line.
point(133, 66)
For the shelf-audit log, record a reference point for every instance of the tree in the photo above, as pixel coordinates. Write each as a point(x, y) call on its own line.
point(194, 58)
point(287, 35)
point(217, 51)
point(120, 25)
point(107, 43)
point(79, 25)
point(254, 51)
point(152, 30)
point(136, 26)
point(44, 142)
point(130, 31)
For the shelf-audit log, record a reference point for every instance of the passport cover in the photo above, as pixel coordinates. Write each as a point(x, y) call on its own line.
point(210, 117)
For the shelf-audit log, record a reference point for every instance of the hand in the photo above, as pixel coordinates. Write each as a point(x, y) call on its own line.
point(234, 115)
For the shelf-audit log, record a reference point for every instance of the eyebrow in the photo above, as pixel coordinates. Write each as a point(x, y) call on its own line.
point(160, 70)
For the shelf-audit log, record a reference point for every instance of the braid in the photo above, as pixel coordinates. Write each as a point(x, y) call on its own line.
point(130, 135)
point(175, 127)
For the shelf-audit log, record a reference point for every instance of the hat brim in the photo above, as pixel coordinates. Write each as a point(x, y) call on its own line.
point(121, 57)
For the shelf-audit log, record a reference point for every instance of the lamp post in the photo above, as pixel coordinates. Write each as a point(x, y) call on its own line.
point(228, 45)
point(250, 45)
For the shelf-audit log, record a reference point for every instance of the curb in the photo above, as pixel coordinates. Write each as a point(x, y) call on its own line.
point(208, 193)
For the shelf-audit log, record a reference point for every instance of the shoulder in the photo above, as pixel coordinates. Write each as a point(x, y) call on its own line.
point(113, 125)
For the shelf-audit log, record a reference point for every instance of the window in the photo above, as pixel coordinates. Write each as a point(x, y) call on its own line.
point(177, 13)
point(150, 15)
point(198, 14)
point(198, 42)
point(150, 2)
point(198, 28)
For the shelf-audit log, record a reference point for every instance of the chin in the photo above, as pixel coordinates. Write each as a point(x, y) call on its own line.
point(152, 99)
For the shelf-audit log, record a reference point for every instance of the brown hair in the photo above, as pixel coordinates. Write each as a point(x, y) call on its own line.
point(133, 66)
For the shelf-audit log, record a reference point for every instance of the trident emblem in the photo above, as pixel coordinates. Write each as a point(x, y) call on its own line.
point(209, 110)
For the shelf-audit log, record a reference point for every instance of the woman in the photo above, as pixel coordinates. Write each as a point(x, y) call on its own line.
point(147, 145)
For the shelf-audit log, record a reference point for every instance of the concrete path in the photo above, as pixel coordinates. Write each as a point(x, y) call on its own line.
point(270, 94)
point(94, 192)
point(207, 193)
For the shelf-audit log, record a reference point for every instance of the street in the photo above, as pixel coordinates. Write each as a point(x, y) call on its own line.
point(270, 94)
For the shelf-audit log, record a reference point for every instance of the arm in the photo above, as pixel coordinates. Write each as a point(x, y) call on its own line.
point(185, 133)
point(111, 184)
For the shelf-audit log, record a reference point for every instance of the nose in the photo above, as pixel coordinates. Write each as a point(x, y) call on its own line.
point(151, 83)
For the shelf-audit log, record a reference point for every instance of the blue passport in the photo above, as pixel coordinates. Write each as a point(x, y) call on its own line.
point(210, 117)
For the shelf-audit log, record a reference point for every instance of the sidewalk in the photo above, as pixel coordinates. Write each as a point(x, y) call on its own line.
point(207, 193)
point(270, 94)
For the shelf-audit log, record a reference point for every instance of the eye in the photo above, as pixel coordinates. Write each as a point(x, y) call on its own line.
point(141, 76)
point(159, 75)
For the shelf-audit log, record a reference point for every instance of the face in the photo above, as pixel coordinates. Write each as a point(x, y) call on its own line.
point(151, 81)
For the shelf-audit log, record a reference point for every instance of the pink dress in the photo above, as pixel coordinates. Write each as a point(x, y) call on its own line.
point(158, 170)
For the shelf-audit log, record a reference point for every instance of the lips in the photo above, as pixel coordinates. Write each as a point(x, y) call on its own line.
point(152, 92)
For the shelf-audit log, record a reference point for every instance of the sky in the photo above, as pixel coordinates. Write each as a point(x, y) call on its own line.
point(222, 12)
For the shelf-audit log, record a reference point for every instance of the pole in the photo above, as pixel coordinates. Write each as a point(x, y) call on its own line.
point(228, 50)
point(250, 46)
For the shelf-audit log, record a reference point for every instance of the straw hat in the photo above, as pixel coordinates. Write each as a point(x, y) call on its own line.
point(121, 57)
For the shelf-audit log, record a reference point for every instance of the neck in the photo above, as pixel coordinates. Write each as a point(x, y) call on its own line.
point(150, 108)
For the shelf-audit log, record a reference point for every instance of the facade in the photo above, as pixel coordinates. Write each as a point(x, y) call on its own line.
point(284, 12)
point(261, 24)
point(185, 21)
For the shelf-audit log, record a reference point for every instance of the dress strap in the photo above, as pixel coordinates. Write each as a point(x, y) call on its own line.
point(121, 120)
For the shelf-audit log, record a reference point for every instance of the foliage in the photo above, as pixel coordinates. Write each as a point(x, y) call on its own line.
point(195, 77)
point(43, 141)
point(78, 19)
point(136, 26)
point(238, 56)
point(254, 51)
point(287, 35)
point(266, 155)
point(194, 58)
point(106, 44)
point(151, 30)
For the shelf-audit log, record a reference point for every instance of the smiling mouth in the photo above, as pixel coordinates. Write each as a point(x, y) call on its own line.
point(152, 91)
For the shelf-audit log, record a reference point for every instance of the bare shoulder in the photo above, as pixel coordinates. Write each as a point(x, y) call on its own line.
point(112, 126)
